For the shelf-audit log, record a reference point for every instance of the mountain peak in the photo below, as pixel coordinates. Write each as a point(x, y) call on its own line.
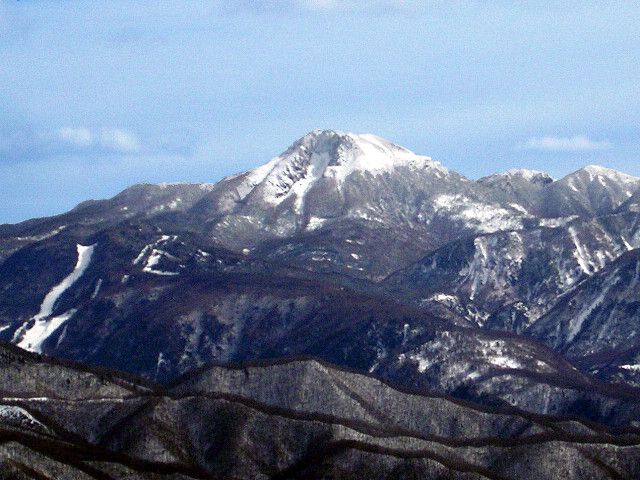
point(332, 155)
point(593, 171)
point(603, 176)
point(592, 190)
point(525, 173)
point(347, 147)
point(598, 169)
point(535, 176)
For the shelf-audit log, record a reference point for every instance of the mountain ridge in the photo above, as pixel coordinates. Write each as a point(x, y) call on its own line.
point(347, 248)
point(356, 142)
point(244, 422)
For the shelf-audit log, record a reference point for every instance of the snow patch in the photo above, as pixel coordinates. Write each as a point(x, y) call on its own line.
point(207, 187)
point(161, 363)
point(627, 245)
point(154, 259)
point(477, 215)
point(42, 324)
point(17, 416)
point(155, 255)
point(633, 368)
point(598, 173)
point(43, 236)
point(503, 362)
point(315, 223)
point(519, 208)
point(494, 352)
point(447, 299)
point(575, 323)
point(557, 222)
point(34, 337)
point(580, 254)
point(84, 258)
point(141, 255)
point(525, 174)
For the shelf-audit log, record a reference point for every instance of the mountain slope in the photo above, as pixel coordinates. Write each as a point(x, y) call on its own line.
point(345, 247)
point(158, 305)
point(599, 318)
point(519, 187)
point(338, 194)
point(592, 190)
point(507, 280)
point(276, 421)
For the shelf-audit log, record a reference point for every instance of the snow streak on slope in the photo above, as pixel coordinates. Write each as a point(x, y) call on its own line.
point(604, 174)
point(42, 329)
point(42, 324)
point(155, 256)
point(575, 323)
point(84, 257)
point(329, 155)
point(154, 260)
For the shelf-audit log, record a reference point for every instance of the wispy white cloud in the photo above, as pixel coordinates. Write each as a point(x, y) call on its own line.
point(77, 136)
point(579, 143)
point(119, 140)
point(113, 139)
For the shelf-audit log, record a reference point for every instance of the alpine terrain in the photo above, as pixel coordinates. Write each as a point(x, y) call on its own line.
point(349, 309)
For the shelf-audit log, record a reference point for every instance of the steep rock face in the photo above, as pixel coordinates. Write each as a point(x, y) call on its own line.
point(507, 280)
point(600, 316)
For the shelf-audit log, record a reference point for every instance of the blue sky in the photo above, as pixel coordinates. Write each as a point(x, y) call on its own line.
point(97, 95)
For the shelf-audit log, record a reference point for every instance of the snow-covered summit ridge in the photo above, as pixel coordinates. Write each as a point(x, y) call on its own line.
point(202, 186)
point(603, 178)
point(526, 174)
point(330, 154)
point(593, 172)
point(586, 174)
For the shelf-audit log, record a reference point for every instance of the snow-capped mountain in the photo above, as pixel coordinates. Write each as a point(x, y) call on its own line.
point(351, 249)
point(348, 187)
point(521, 187)
point(590, 191)
point(330, 158)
